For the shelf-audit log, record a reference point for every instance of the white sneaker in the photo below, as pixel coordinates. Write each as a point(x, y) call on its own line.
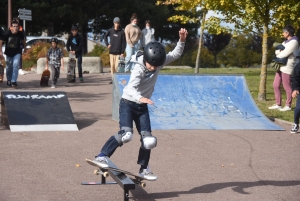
point(52, 86)
point(275, 107)
point(147, 174)
point(21, 72)
point(101, 161)
point(286, 108)
point(295, 128)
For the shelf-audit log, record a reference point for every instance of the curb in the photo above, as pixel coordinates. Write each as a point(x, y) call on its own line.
point(276, 120)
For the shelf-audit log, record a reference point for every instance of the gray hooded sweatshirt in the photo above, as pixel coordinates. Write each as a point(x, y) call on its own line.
point(142, 81)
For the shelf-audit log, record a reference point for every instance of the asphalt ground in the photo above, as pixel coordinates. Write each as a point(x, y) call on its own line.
point(206, 165)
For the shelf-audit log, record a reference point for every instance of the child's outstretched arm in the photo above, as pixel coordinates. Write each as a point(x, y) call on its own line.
point(177, 52)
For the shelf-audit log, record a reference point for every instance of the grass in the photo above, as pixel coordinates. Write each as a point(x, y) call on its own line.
point(252, 76)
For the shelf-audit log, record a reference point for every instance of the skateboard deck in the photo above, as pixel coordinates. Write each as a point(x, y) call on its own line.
point(45, 78)
point(71, 68)
point(104, 171)
point(121, 65)
point(2, 64)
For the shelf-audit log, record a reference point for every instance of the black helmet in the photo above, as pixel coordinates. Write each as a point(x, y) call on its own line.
point(155, 54)
point(54, 40)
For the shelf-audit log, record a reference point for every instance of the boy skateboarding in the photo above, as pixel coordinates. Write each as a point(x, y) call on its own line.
point(133, 104)
point(55, 58)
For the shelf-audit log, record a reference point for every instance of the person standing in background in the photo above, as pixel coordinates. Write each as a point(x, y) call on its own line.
point(116, 45)
point(74, 46)
point(283, 76)
point(13, 51)
point(21, 72)
point(133, 34)
point(54, 59)
point(148, 34)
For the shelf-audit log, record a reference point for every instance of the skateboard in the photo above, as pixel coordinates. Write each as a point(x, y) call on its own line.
point(121, 65)
point(45, 78)
point(71, 68)
point(2, 65)
point(104, 171)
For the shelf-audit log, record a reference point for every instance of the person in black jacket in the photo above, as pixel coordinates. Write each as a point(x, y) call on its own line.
point(116, 45)
point(13, 52)
point(74, 46)
point(295, 80)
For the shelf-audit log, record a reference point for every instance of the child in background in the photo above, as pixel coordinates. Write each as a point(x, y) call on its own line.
point(55, 58)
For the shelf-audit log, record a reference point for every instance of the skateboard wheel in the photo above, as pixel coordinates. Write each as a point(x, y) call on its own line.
point(143, 185)
point(105, 174)
point(96, 172)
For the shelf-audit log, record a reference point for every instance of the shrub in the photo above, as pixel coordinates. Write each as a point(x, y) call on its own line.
point(102, 52)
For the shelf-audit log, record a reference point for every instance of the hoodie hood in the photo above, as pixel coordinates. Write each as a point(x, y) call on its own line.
point(293, 38)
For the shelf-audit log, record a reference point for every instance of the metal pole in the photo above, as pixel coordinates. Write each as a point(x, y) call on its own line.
point(24, 22)
point(9, 14)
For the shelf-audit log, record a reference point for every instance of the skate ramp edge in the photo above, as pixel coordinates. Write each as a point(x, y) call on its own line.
point(188, 102)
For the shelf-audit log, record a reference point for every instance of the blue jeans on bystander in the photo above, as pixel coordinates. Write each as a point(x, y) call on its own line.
point(129, 52)
point(12, 67)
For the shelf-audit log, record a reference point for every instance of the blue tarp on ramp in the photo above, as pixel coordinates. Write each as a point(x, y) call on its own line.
point(188, 102)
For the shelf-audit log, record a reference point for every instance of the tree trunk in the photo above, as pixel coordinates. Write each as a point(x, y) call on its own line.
point(200, 42)
point(263, 72)
point(215, 56)
point(84, 38)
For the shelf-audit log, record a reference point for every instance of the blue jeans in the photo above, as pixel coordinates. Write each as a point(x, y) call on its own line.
point(129, 52)
point(297, 110)
point(12, 67)
point(129, 112)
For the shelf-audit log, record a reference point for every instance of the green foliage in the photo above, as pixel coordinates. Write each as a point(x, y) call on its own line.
point(97, 51)
point(215, 43)
point(102, 52)
point(188, 59)
point(206, 59)
point(241, 52)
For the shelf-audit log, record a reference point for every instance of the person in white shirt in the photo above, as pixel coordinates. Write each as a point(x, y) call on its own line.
point(283, 76)
point(148, 34)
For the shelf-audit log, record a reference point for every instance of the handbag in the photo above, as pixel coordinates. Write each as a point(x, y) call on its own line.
point(278, 62)
point(276, 65)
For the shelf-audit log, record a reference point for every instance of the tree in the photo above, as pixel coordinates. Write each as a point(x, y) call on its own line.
point(244, 50)
point(265, 17)
point(216, 43)
point(193, 7)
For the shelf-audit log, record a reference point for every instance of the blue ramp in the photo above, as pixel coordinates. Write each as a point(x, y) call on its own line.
point(217, 102)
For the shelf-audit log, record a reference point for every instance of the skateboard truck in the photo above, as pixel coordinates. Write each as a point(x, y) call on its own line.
point(97, 172)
